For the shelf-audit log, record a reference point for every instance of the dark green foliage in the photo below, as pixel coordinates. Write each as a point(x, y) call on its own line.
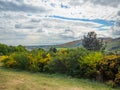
point(55, 66)
point(20, 48)
point(22, 60)
point(53, 49)
point(57, 63)
point(3, 49)
point(90, 42)
point(67, 61)
point(72, 61)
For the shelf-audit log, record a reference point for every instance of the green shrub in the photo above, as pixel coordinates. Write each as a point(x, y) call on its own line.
point(22, 60)
point(66, 61)
point(72, 61)
point(88, 64)
point(55, 66)
point(57, 63)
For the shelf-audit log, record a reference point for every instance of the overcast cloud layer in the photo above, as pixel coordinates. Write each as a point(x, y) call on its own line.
point(40, 22)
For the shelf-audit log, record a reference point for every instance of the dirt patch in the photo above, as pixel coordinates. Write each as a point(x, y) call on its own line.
point(2, 87)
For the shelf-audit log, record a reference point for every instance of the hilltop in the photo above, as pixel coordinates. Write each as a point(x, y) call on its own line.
point(112, 44)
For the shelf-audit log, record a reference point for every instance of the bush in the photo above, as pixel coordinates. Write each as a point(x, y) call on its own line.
point(72, 61)
point(20, 60)
point(117, 78)
point(33, 64)
point(57, 63)
point(55, 66)
point(109, 68)
point(43, 61)
point(88, 64)
point(8, 61)
point(77, 62)
point(66, 61)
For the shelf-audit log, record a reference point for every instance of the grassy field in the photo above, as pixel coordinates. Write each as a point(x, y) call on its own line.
point(22, 80)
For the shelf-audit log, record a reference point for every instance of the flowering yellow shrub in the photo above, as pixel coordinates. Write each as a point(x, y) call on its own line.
point(117, 78)
point(8, 61)
point(2, 58)
point(33, 64)
point(48, 57)
point(11, 63)
point(109, 68)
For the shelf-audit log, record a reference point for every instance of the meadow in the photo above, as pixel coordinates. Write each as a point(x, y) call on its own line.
point(13, 79)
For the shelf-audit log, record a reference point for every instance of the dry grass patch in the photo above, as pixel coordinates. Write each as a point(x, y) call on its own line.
point(21, 80)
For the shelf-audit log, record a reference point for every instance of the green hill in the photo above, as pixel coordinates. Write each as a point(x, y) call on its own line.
point(112, 44)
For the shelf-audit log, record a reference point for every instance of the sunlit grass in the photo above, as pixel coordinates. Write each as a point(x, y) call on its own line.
point(21, 80)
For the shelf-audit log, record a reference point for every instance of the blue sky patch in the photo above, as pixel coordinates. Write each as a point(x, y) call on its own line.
point(100, 21)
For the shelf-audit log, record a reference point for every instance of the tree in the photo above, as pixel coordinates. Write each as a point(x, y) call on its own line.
point(91, 42)
point(3, 49)
point(53, 49)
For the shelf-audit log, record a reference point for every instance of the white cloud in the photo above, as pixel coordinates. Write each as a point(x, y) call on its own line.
point(26, 22)
point(116, 28)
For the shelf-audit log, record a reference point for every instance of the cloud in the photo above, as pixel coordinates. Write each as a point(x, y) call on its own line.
point(118, 13)
point(35, 20)
point(64, 6)
point(116, 28)
point(17, 7)
point(68, 34)
point(24, 26)
point(77, 2)
point(38, 22)
point(112, 3)
point(40, 30)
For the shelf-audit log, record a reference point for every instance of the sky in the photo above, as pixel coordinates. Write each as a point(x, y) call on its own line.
point(48, 22)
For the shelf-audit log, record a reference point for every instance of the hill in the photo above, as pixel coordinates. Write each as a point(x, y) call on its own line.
point(112, 44)
point(75, 43)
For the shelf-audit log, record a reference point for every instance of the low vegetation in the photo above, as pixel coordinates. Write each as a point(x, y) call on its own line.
point(78, 62)
point(12, 79)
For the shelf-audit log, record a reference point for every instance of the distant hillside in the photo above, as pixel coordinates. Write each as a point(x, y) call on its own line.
point(112, 44)
point(71, 44)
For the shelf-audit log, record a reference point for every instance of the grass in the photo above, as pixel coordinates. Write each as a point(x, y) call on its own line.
point(22, 80)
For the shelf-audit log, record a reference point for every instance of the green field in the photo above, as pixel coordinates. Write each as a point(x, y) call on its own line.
point(22, 80)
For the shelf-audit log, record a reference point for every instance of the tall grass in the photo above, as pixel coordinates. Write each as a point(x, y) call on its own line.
point(22, 80)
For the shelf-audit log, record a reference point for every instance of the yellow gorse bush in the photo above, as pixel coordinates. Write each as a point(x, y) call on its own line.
point(2, 58)
point(92, 58)
point(9, 61)
point(110, 68)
